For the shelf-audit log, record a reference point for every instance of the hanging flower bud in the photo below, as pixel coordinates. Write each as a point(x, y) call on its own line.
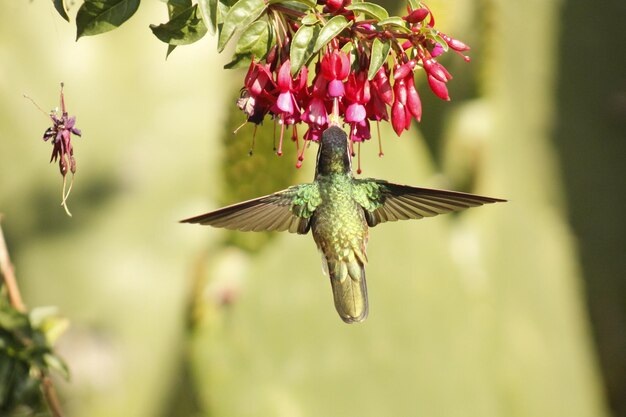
point(437, 50)
point(403, 70)
point(417, 15)
point(383, 86)
point(398, 117)
point(413, 102)
point(438, 87)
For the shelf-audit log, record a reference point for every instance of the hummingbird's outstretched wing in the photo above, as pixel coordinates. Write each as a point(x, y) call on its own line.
point(387, 202)
point(290, 209)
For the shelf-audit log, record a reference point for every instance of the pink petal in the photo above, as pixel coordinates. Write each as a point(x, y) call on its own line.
point(355, 113)
point(284, 77)
point(336, 88)
point(439, 88)
point(285, 102)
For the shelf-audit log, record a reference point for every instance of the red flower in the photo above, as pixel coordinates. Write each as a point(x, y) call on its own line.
point(335, 68)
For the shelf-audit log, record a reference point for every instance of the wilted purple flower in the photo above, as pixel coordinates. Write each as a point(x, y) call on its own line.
point(60, 135)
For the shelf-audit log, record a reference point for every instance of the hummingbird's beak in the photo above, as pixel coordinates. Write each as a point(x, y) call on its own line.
point(333, 118)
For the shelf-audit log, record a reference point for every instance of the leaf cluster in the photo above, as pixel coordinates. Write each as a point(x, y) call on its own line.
point(258, 24)
point(26, 357)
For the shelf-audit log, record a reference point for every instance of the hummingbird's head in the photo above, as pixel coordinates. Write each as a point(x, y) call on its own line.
point(333, 156)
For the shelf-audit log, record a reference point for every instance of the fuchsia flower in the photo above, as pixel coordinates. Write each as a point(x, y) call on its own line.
point(315, 113)
point(60, 135)
point(286, 104)
point(357, 94)
point(256, 100)
point(335, 68)
point(340, 90)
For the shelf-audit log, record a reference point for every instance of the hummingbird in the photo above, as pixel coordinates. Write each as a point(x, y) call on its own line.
point(339, 210)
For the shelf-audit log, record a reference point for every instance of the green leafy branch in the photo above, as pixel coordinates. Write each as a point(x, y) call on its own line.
point(26, 355)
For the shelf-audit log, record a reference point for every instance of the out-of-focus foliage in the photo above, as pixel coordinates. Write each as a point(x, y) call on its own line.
point(260, 173)
point(474, 315)
point(26, 356)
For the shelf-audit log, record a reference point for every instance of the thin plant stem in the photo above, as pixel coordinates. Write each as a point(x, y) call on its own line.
point(8, 276)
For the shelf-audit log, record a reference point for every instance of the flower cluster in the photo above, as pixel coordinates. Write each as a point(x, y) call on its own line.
point(364, 73)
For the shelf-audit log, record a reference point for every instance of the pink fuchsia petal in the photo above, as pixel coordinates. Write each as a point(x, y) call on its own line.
point(302, 78)
point(398, 117)
point(358, 88)
point(399, 89)
point(437, 70)
point(413, 102)
point(335, 65)
point(285, 102)
point(361, 131)
point(314, 134)
point(438, 87)
point(344, 69)
point(336, 88)
point(456, 44)
point(284, 80)
point(403, 70)
point(437, 50)
point(417, 15)
point(384, 88)
point(320, 86)
point(355, 113)
point(376, 108)
point(316, 112)
point(407, 118)
point(251, 73)
point(334, 5)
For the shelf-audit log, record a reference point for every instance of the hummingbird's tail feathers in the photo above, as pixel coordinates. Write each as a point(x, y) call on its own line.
point(347, 278)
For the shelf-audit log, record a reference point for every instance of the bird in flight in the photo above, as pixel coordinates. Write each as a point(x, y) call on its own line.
point(339, 210)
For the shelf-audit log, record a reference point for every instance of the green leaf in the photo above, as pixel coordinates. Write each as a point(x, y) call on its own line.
point(99, 16)
point(370, 9)
point(170, 49)
point(255, 40)
point(310, 19)
point(380, 51)
point(239, 17)
point(414, 4)
point(55, 363)
point(296, 6)
point(239, 61)
point(211, 14)
point(441, 42)
point(307, 3)
point(176, 7)
point(59, 5)
point(331, 29)
point(396, 22)
point(185, 28)
point(302, 46)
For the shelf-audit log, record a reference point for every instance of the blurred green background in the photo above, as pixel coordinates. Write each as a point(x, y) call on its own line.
point(510, 310)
